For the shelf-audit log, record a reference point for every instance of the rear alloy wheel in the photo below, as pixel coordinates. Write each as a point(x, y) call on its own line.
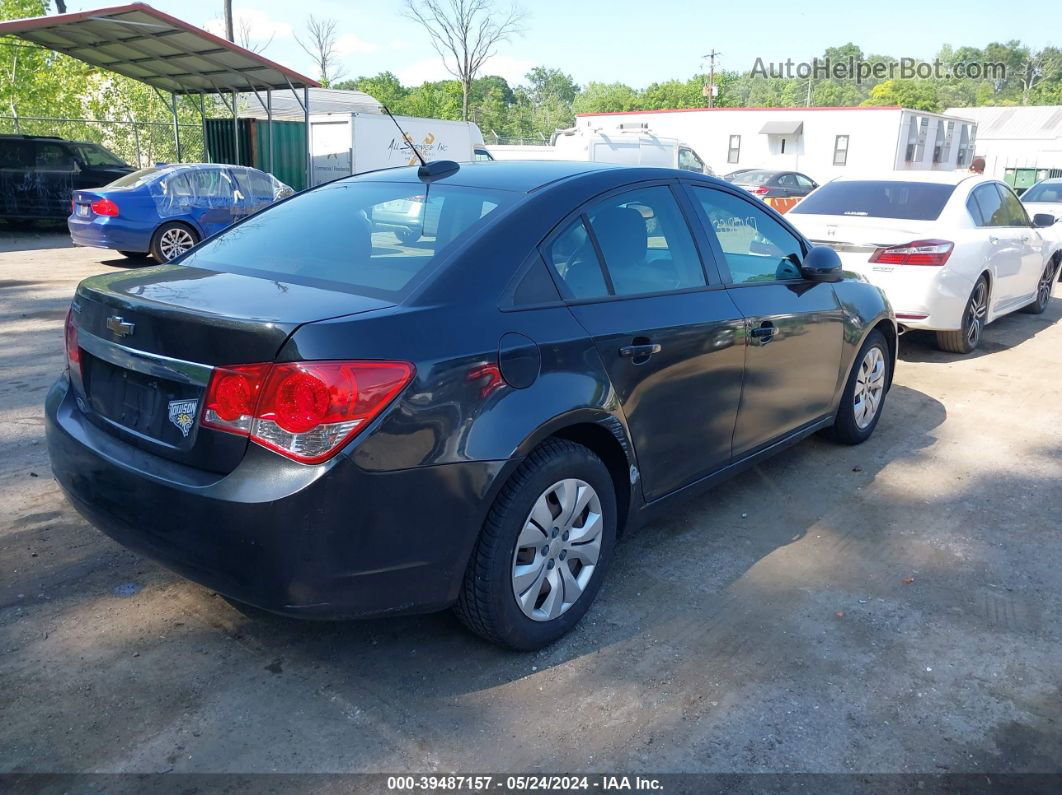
point(967, 338)
point(171, 240)
point(540, 558)
point(864, 394)
point(1043, 291)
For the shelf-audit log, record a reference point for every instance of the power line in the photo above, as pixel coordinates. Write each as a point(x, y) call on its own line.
point(711, 76)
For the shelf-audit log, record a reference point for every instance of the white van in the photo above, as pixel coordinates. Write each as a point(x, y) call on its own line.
point(631, 144)
point(342, 144)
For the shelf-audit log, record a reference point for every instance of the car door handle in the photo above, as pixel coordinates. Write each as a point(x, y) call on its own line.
point(764, 332)
point(640, 351)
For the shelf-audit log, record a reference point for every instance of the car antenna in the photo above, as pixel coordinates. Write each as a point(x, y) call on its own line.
point(406, 138)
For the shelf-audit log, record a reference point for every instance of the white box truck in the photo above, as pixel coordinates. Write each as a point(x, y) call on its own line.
point(631, 144)
point(342, 144)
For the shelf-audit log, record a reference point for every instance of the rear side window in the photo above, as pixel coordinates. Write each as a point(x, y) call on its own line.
point(912, 201)
point(16, 154)
point(573, 257)
point(54, 157)
point(367, 237)
point(755, 246)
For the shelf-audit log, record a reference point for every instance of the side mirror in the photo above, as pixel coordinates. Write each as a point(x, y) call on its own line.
point(821, 265)
point(1043, 220)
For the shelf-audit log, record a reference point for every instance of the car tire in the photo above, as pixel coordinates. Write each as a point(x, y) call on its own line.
point(557, 474)
point(966, 339)
point(864, 393)
point(171, 240)
point(407, 235)
point(1043, 291)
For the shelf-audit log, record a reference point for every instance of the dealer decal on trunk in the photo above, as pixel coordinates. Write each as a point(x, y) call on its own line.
point(182, 414)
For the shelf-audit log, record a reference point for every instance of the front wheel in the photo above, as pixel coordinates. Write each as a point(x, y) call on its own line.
point(171, 240)
point(864, 393)
point(967, 338)
point(541, 556)
point(1043, 291)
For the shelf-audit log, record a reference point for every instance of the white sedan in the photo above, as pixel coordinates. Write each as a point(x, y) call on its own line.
point(952, 251)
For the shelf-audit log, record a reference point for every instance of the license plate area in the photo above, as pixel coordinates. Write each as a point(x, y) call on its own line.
point(141, 403)
point(83, 210)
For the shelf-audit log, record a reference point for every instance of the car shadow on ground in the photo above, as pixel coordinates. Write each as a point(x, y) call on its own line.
point(1007, 332)
point(20, 235)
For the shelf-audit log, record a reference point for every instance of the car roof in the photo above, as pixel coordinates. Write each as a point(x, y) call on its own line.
point(521, 176)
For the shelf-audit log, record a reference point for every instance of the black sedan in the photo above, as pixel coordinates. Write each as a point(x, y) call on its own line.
point(774, 184)
point(329, 421)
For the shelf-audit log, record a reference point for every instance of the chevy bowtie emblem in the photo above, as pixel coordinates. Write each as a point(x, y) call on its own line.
point(119, 326)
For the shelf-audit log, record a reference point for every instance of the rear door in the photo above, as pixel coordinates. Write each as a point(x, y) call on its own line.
point(55, 172)
point(1007, 244)
point(795, 326)
point(1031, 245)
point(671, 340)
point(217, 200)
point(16, 166)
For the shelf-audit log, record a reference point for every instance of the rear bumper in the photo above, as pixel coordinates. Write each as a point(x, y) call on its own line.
point(923, 297)
point(106, 233)
point(329, 541)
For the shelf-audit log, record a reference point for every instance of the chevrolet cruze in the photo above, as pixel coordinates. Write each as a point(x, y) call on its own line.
point(324, 419)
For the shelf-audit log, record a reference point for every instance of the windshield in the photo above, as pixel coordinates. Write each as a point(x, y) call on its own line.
point(911, 201)
point(135, 179)
point(95, 155)
point(1044, 192)
point(754, 177)
point(374, 238)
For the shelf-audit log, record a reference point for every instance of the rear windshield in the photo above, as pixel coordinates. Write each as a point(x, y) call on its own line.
point(911, 201)
point(754, 177)
point(134, 180)
point(367, 237)
point(1044, 192)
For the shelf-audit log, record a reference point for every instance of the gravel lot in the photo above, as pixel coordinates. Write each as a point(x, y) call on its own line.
point(892, 607)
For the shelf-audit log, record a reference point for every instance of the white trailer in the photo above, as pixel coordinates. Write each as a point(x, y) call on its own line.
point(820, 142)
point(629, 144)
point(351, 143)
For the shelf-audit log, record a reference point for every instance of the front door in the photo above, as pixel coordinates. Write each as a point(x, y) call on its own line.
point(795, 326)
point(673, 346)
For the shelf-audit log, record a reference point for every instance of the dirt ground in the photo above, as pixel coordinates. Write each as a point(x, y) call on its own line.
point(893, 607)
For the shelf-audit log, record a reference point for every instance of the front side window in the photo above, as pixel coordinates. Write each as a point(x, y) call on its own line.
point(374, 238)
point(840, 150)
point(1013, 212)
point(688, 161)
point(95, 156)
point(803, 181)
point(755, 246)
point(733, 154)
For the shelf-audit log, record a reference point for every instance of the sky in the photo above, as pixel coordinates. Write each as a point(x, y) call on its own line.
point(635, 42)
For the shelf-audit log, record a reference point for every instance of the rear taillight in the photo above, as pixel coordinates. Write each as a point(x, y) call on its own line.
point(73, 352)
point(919, 252)
point(303, 410)
point(104, 207)
point(760, 191)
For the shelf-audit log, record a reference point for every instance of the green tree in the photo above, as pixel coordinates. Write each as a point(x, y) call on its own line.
point(384, 87)
point(606, 97)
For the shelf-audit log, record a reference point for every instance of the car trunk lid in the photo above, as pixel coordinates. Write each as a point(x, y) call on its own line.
point(855, 238)
point(149, 339)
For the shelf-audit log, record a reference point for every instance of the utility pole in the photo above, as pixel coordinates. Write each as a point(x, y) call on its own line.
point(711, 76)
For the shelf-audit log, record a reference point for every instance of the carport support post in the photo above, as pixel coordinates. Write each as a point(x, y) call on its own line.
point(176, 126)
point(269, 116)
point(306, 120)
point(235, 128)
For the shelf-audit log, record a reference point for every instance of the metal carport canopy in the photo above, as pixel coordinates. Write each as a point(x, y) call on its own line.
point(171, 55)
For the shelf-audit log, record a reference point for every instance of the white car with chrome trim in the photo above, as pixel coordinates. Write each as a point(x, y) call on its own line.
point(952, 251)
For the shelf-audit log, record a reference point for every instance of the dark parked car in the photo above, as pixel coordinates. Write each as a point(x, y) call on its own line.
point(775, 184)
point(38, 174)
point(308, 416)
point(165, 210)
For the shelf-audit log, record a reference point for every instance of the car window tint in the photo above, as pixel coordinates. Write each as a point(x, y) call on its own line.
point(573, 257)
point(803, 181)
point(645, 242)
point(1044, 192)
point(1013, 213)
point(990, 204)
point(16, 154)
point(54, 156)
point(755, 246)
point(921, 201)
point(367, 237)
point(787, 181)
point(94, 155)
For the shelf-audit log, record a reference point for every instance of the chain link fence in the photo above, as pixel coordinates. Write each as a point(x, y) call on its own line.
point(494, 138)
point(139, 143)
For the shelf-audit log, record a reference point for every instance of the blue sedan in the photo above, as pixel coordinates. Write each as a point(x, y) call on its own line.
point(165, 210)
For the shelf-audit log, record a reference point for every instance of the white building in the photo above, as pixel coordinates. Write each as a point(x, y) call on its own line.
point(820, 142)
point(1027, 137)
